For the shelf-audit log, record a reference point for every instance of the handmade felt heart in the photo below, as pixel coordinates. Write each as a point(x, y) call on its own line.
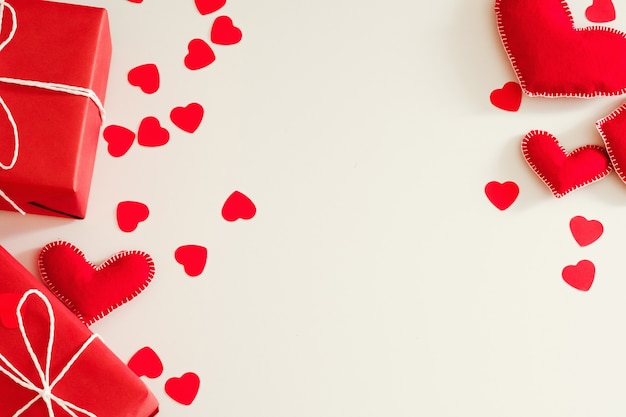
point(146, 77)
point(502, 195)
point(508, 98)
point(187, 118)
point(238, 206)
point(184, 389)
point(580, 276)
point(130, 213)
point(612, 128)
point(585, 231)
point(192, 258)
point(90, 291)
point(209, 6)
point(199, 54)
point(553, 58)
point(224, 32)
point(151, 133)
point(146, 362)
point(560, 171)
point(119, 138)
point(600, 11)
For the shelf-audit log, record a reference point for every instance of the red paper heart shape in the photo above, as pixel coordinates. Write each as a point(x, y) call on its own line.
point(151, 133)
point(90, 291)
point(560, 171)
point(508, 98)
point(187, 118)
point(136, 1)
point(146, 77)
point(119, 138)
point(209, 6)
point(199, 55)
point(612, 128)
point(224, 32)
point(553, 58)
point(502, 195)
point(8, 310)
point(580, 276)
point(146, 362)
point(600, 11)
point(184, 389)
point(238, 206)
point(192, 258)
point(585, 231)
point(130, 214)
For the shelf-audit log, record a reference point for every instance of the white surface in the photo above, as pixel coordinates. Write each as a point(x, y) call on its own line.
point(376, 278)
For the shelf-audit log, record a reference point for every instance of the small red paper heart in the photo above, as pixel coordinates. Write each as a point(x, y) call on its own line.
point(600, 11)
point(209, 6)
point(187, 118)
point(192, 258)
point(184, 389)
point(146, 77)
point(508, 98)
point(238, 206)
point(136, 1)
point(585, 231)
point(199, 54)
point(119, 138)
point(502, 195)
point(130, 214)
point(8, 310)
point(146, 362)
point(560, 171)
point(612, 128)
point(223, 32)
point(90, 291)
point(580, 276)
point(151, 133)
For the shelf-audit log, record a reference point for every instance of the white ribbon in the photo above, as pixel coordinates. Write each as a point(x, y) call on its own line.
point(63, 88)
point(44, 390)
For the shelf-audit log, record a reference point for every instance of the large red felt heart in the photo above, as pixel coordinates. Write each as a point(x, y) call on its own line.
point(560, 171)
point(553, 58)
point(90, 291)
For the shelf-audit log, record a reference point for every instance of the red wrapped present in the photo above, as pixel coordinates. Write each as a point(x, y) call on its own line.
point(51, 364)
point(63, 53)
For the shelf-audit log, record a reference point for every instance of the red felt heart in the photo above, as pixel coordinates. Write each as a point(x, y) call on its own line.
point(146, 362)
point(130, 214)
point(199, 54)
point(508, 98)
point(187, 118)
point(209, 6)
point(580, 276)
point(146, 77)
point(560, 171)
point(223, 32)
point(600, 11)
point(612, 128)
point(90, 291)
point(585, 231)
point(192, 258)
point(8, 310)
point(184, 389)
point(119, 138)
point(238, 206)
point(553, 58)
point(502, 195)
point(151, 133)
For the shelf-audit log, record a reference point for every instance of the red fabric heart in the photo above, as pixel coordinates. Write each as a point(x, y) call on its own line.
point(146, 362)
point(580, 276)
point(560, 171)
point(238, 206)
point(508, 98)
point(184, 389)
point(553, 58)
point(199, 54)
point(8, 310)
point(192, 258)
point(119, 138)
point(130, 214)
point(502, 195)
point(209, 6)
point(151, 133)
point(585, 231)
point(187, 118)
point(612, 128)
point(600, 11)
point(90, 291)
point(223, 32)
point(146, 77)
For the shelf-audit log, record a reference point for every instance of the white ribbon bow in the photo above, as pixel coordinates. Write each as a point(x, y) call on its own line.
point(44, 391)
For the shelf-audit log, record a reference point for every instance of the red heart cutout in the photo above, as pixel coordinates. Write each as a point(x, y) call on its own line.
point(192, 258)
point(600, 11)
point(119, 138)
point(238, 206)
point(508, 98)
point(560, 171)
point(151, 133)
point(8, 310)
point(209, 6)
point(184, 389)
point(136, 1)
point(145, 77)
point(223, 32)
point(130, 214)
point(502, 195)
point(580, 276)
point(553, 58)
point(199, 54)
point(90, 291)
point(612, 128)
point(187, 118)
point(585, 231)
point(145, 362)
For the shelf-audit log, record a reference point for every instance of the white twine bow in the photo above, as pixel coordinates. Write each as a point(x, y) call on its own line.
point(63, 88)
point(44, 391)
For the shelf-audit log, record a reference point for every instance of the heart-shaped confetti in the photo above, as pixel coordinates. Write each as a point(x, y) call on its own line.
point(136, 1)
point(187, 118)
point(238, 206)
point(146, 77)
point(502, 195)
point(199, 55)
point(224, 32)
point(580, 276)
point(584, 231)
point(600, 11)
point(209, 6)
point(130, 213)
point(151, 133)
point(508, 98)
point(90, 291)
point(146, 362)
point(119, 138)
point(192, 258)
point(8, 310)
point(183, 389)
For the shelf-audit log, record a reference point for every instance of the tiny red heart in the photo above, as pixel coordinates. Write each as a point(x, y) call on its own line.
point(8, 310)
point(136, 1)
point(199, 55)
point(508, 98)
point(130, 214)
point(600, 11)
point(146, 77)
point(238, 206)
point(151, 133)
point(585, 231)
point(187, 118)
point(146, 362)
point(223, 32)
point(209, 6)
point(502, 195)
point(119, 138)
point(580, 276)
point(184, 389)
point(192, 258)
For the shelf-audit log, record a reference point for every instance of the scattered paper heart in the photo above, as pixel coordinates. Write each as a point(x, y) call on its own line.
point(600, 11)
point(136, 1)
point(8, 310)
point(192, 258)
point(585, 231)
point(130, 214)
point(238, 206)
point(119, 138)
point(502, 195)
point(146, 362)
point(224, 32)
point(580, 276)
point(209, 6)
point(508, 98)
point(151, 133)
point(183, 389)
point(199, 55)
point(187, 118)
point(146, 77)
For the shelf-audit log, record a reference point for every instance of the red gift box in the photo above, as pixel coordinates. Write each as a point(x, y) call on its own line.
point(58, 131)
point(96, 380)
